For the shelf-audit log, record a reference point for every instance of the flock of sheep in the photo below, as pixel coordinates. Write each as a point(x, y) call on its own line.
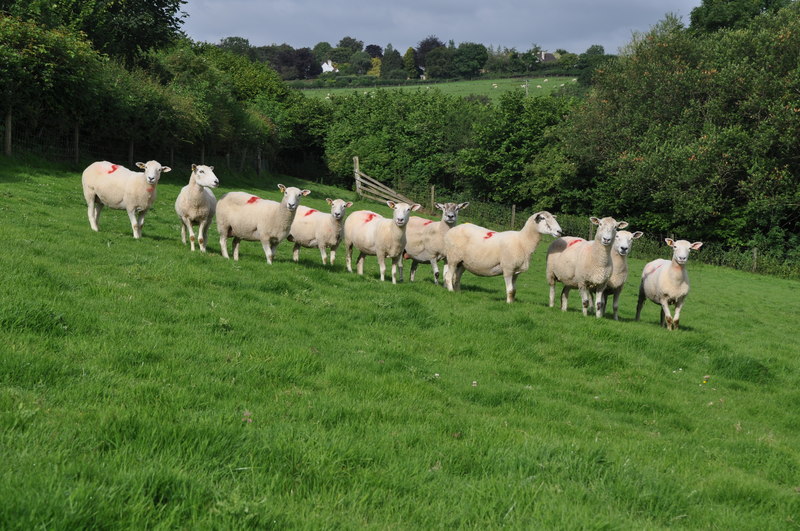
point(597, 268)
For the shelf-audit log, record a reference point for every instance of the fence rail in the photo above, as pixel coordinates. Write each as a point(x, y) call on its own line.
point(373, 189)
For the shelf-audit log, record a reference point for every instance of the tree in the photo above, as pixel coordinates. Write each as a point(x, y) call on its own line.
point(410, 64)
point(351, 44)
point(469, 58)
point(361, 62)
point(237, 45)
point(374, 50)
point(713, 15)
point(392, 63)
point(440, 63)
point(424, 47)
point(322, 51)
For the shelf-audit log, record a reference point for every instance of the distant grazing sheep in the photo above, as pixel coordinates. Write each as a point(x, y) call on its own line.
point(117, 187)
point(425, 237)
point(488, 253)
point(666, 282)
point(377, 236)
point(196, 204)
point(312, 228)
point(582, 264)
point(245, 216)
point(619, 269)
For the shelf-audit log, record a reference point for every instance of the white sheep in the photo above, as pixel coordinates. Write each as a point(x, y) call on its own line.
point(312, 228)
point(245, 216)
point(377, 236)
point(666, 282)
point(425, 238)
point(582, 264)
point(196, 204)
point(488, 253)
point(619, 270)
point(117, 187)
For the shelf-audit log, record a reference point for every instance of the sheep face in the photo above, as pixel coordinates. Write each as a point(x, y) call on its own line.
point(204, 176)
point(450, 211)
point(402, 211)
point(624, 240)
point(152, 170)
point(607, 229)
point(681, 249)
point(337, 207)
point(546, 224)
point(291, 196)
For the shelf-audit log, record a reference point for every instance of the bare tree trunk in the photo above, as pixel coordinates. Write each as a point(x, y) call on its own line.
point(258, 162)
point(8, 132)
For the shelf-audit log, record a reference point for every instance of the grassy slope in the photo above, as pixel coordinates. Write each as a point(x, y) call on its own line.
point(141, 384)
point(478, 87)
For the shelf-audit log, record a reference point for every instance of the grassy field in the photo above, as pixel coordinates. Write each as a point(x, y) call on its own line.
point(142, 386)
point(492, 88)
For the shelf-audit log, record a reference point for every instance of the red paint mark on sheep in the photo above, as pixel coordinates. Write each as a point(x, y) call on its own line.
point(650, 270)
point(310, 212)
point(489, 235)
point(114, 167)
point(573, 242)
point(150, 189)
point(252, 200)
point(370, 217)
point(427, 223)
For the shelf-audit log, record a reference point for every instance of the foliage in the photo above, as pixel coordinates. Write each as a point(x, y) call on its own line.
point(439, 63)
point(392, 63)
point(713, 15)
point(410, 64)
point(469, 59)
point(424, 47)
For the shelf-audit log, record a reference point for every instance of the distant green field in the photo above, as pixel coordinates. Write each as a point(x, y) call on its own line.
point(143, 386)
point(492, 88)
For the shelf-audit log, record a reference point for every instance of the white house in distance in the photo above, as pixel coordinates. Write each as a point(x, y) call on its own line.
point(327, 66)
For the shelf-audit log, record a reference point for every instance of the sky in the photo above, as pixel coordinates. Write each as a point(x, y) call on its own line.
point(572, 25)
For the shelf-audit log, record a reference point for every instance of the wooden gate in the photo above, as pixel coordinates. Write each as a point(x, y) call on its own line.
point(371, 188)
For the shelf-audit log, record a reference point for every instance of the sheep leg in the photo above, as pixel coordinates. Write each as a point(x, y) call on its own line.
point(93, 211)
point(188, 225)
point(564, 297)
point(413, 272)
point(202, 232)
point(140, 222)
point(397, 269)
point(616, 304)
point(269, 250)
point(134, 224)
point(435, 267)
point(448, 277)
point(640, 303)
point(552, 292)
point(183, 232)
point(599, 302)
point(348, 256)
point(223, 241)
point(457, 276)
point(236, 242)
point(382, 266)
point(296, 252)
point(323, 253)
point(333, 253)
point(676, 317)
point(360, 263)
point(666, 317)
point(586, 300)
point(511, 287)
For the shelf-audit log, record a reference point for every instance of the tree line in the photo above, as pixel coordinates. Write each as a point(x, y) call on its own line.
point(689, 131)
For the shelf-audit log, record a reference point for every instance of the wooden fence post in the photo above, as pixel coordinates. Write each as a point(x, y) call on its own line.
point(513, 215)
point(755, 259)
point(433, 198)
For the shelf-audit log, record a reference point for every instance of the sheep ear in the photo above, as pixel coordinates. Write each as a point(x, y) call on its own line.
point(622, 224)
point(439, 206)
point(415, 207)
point(348, 204)
point(140, 165)
point(194, 167)
point(638, 234)
point(463, 205)
point(594, 220)
point(305, 192)
point(391, 204)
point(282, 188)
point(165, 169)
point(669, 242)
point(211, 168)
point(696, 245)
point(329, 200)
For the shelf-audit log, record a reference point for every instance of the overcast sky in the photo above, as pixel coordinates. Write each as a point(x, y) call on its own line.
point(573, 25)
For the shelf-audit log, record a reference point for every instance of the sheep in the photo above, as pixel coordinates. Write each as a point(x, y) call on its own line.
point(312, 228)
point(245, 216)
point(425, 238)
point(619, 271)
point(489, 253)
point(377, 236)
point(666, 282)
point(582, 264)
point(117, 187)
point(196, 204)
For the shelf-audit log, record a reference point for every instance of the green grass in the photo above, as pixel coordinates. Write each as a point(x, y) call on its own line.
point(480, 87)
point(142, 385)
